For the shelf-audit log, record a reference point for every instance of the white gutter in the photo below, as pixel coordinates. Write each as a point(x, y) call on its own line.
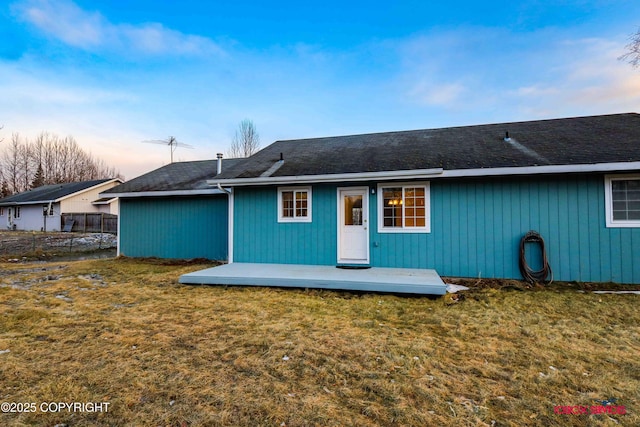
point(163, 193)
point(36, 202)
point(416, 174)
point(549, 169)
point(338, 177)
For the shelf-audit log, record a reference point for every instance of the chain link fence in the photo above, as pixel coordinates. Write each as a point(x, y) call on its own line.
point(21, 243)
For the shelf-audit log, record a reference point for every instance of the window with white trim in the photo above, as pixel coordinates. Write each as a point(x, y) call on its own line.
point(404, 208)
point(294, 204)
point(2, 211)
point(622, 199)
point(16, 214)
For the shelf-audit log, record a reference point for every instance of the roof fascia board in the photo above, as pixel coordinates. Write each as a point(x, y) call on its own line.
point(163, 193)
point(30, 202)
point(548, 169)
point(339, 177)
point(431, 173)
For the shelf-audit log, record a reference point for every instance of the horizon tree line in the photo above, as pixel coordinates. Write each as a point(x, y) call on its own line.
point(47, 159)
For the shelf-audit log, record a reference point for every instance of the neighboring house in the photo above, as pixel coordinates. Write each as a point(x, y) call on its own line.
point(41, 208)
point(457, 200)
point(172, 212)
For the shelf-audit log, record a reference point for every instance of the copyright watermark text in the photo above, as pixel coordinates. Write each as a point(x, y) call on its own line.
point(54, 407)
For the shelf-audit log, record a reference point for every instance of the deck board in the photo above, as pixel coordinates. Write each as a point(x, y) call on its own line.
point(394, 280)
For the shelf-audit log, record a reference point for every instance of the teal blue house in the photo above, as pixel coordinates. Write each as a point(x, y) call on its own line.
point(172, 212)
point(457, 200)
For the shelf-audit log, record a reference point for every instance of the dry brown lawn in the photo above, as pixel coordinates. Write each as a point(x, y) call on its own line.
point(164, 354)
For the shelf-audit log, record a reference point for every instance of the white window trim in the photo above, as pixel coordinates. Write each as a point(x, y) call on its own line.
point(403, 229)
point(309, 203)
point(608, 202)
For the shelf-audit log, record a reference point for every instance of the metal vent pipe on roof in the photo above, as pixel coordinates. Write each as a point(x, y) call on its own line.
point(219, 156)
point(507, 138)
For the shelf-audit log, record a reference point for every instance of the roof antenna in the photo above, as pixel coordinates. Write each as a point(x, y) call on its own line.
point(171, 142)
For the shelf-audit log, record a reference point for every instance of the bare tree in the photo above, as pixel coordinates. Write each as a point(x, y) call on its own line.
point(632, 56)
point(246, 140)
point(47, 160)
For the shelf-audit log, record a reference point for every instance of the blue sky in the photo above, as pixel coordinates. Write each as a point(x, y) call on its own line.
point(113, 74)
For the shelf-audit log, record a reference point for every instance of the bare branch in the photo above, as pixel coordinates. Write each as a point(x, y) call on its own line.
point(246, 140)
point(47, 159)
point(632, 56)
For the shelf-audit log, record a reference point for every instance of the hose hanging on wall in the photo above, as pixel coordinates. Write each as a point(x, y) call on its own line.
point(527, 273)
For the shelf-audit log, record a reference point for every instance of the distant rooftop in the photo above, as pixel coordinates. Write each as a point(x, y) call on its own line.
point(52, 192)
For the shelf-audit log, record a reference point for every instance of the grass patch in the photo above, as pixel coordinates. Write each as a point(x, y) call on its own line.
point(125, 332)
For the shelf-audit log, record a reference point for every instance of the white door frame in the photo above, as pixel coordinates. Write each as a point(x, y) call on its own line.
point(364, 191)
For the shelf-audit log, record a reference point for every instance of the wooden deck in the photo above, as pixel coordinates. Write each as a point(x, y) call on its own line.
point(392, 280)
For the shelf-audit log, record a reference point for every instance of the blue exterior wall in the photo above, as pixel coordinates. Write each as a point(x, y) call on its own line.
point(174, 227)
point(476, 227)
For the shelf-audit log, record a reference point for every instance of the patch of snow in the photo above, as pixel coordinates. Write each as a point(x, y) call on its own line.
point(617, 292)
point(5, 351)
point(452, 289)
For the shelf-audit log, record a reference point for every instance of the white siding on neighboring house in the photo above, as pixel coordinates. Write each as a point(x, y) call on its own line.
point(32, 219)
point(81, 202)
point(114, 207)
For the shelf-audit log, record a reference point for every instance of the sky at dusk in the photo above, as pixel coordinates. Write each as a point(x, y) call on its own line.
point(115, 73)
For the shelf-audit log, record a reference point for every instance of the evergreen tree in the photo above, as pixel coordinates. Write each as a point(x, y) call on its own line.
point(38, 179)
point(4, 189)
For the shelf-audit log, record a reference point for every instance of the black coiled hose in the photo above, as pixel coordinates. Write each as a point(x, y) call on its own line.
point(528, 274)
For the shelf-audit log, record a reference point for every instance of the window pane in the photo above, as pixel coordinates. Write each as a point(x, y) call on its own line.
point(618, 185)
point(620, 215)
point(633, 184)
point(352, 210)
point(287, 204)
point(619, 206)
point(301, 203)
point(392, 207)
point(626, 199)
point(414, 196)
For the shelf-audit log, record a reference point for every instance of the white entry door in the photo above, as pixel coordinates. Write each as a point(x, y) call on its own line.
point(353, 225)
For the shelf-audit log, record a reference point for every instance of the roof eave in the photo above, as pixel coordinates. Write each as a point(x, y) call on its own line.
point(544, 170)
point(30, 202)
point(338, 177)
point(429, 173)
point(130, 194)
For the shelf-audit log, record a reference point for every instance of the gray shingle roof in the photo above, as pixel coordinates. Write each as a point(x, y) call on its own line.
point(178, 176)
point(51, 192)
point(570, 141)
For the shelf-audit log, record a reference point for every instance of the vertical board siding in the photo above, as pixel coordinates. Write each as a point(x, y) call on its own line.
point(476, 227)
point(259, 237)
point(174, 227)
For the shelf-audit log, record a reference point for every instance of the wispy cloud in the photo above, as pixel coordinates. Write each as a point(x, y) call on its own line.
point(437, 94)
point(66, 21)
point(587, 78)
